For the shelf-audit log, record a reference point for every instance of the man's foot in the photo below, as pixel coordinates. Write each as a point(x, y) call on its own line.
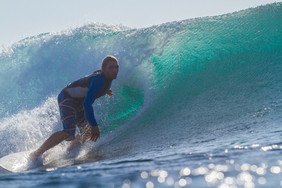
point(36, 158)
point(74, 144)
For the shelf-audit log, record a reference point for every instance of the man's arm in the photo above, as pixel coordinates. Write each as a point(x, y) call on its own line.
point(96, 85)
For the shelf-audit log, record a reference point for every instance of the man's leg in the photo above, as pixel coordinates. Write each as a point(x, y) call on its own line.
point(52, 141)
point(84, 129)
point(82, 126)
point(85, 134)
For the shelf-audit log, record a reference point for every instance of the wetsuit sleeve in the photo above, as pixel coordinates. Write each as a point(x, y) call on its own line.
point(97, 84)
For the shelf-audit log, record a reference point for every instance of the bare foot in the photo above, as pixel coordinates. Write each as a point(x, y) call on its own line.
point(74, 143)
point(34, 156)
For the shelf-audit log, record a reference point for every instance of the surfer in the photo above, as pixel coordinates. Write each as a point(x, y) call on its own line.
point(75, 104)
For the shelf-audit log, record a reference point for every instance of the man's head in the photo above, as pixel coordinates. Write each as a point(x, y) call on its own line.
point(110, 67)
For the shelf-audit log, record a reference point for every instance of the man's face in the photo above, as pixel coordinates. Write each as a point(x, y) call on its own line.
point(111, 70)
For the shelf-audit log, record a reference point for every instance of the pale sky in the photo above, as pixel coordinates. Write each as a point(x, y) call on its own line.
point(24, 18)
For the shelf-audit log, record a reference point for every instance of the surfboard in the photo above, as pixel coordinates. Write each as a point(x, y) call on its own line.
point(20, 162)
point(17, 162)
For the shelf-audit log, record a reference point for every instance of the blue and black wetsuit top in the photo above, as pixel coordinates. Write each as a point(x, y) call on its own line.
point(84, 92)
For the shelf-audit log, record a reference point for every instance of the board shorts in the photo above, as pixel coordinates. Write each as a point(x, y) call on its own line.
point(72, 115)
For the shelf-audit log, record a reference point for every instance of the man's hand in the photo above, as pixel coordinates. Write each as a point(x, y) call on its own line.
point(110, 92)
point(95, 133)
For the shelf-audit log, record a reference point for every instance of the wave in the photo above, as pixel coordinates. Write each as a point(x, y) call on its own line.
point(179, 82)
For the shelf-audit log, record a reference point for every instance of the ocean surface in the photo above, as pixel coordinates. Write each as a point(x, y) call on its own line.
point(198, 103)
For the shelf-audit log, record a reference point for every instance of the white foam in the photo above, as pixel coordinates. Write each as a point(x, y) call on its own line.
point(28, 128)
